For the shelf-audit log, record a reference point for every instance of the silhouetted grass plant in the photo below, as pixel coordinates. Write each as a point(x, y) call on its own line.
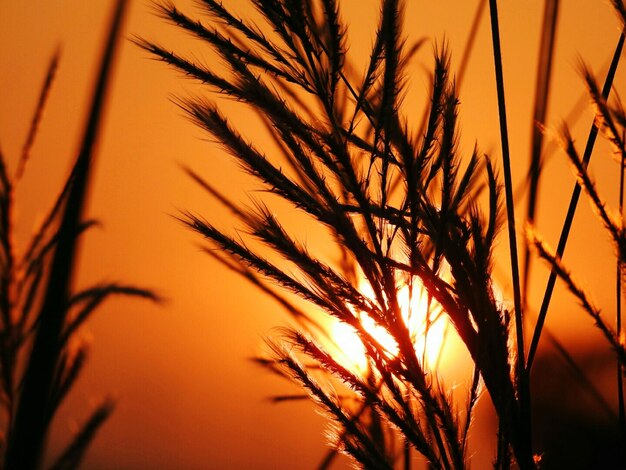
point(404, 207)
point(40, 311)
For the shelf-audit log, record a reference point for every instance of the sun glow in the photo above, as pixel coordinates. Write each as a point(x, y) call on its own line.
point(427, 328)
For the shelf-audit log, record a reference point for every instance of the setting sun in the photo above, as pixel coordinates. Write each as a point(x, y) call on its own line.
point(426, 325)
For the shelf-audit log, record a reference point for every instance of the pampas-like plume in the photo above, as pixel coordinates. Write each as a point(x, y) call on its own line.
point(399, 207)
point(401, 204)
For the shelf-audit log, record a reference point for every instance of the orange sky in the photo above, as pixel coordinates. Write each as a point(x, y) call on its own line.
point(188, 397)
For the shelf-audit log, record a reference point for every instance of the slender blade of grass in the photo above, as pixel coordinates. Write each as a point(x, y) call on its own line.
point(74, 454)
point(28, 433)
point(571, 210)
point(7, 276)
point(618, 306)
point(39, 109)
point(523, 451)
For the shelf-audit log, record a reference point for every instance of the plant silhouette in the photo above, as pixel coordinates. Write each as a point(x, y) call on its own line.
point(40, 312)
point(404, 207)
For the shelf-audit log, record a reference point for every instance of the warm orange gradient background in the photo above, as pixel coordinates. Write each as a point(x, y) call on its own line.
point(188, 398)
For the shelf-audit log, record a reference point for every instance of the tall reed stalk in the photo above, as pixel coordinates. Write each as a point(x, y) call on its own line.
point(403, 206)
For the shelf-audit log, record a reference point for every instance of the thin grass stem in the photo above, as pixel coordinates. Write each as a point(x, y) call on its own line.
point(37, 116)
point(524, 448)
point(618, 306)
point(407, 455)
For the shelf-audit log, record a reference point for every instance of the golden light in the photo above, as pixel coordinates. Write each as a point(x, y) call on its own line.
point(426, 326)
